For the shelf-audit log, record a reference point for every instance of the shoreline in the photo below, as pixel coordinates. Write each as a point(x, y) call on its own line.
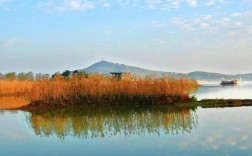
point(206, 103)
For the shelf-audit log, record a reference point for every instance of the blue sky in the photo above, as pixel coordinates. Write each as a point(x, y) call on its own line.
point(168, 35)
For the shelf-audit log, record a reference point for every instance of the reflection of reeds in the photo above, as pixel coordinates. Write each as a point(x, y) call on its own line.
point(8, 87)
point(104, 121)
point(12, 102)
point(98, 89)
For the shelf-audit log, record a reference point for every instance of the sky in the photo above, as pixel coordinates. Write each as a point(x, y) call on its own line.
point(166, 35)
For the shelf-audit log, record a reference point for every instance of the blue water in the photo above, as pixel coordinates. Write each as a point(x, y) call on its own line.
point(213, 90)
point(212, 131)
point(132, 130)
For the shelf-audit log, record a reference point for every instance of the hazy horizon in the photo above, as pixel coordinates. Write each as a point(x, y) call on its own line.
point(164, 35)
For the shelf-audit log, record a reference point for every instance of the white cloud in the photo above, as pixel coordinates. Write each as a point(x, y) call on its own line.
point(214, 2)
point(153, 4)
point(225, 20)
point(67, 5)
point(4, 1)
point(83, 5)
point(125, 3)
point(175, 4)
point(105, 4)
point(238, 24)
point(208, 17)
point(236, 14)
point(235, 27)
point(204, 25)
point(211, 2)
point(12, 43)
point(192, 3)
point(163, 4)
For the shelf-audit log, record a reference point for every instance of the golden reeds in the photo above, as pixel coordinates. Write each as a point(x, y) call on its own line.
point(99, 89)
point(14, 87)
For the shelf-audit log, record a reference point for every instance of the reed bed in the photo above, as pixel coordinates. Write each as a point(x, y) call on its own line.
point(105, 90)
point(15, 87)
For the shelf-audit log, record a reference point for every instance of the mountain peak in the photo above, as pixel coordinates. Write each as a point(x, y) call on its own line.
point(105, 67)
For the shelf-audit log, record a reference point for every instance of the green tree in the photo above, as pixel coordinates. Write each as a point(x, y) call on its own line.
point(57, 74)
point(41, 76)
point(22, 76)
point(1, 76)
point(80, 73)
point(30, 76)
point(66, 73)
point(11, 76)
point(25, 76)
point(75, 72)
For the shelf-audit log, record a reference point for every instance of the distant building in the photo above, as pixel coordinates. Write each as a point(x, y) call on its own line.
point(121, 75)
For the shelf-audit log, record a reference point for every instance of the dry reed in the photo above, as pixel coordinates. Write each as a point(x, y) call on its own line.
point(8, 87)
point(98, 89)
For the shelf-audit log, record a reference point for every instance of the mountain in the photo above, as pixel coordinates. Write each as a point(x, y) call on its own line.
point(201, 75)
point(105, 67)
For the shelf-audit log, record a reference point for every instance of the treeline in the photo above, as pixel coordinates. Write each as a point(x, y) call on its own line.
point(68, 73)
point(30, 76)
point(13, 83)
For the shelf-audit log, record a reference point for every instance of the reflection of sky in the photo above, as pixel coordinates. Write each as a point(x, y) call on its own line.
point(219, 132)
point(215, 90)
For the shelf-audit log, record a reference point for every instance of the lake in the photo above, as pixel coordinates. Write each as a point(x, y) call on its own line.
point(138, 130)
point(214, 90)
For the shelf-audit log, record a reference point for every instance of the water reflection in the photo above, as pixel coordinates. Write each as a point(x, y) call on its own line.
point(105, 122)
point(11, 102)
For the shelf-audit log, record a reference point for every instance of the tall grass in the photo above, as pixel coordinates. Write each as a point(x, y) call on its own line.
point(14, 87)
point(98, 89)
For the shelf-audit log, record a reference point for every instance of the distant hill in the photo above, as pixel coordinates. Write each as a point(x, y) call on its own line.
point(105, 67)
point(200, 75)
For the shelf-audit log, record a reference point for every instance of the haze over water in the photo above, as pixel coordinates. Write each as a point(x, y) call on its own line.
point(214, 90)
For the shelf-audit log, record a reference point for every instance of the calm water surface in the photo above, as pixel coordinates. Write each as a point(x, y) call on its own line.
point(127, 131)
point(130, 130)
point(213, 90)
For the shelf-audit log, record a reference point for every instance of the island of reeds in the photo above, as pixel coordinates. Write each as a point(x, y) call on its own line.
point(76, 88)
point(79, 88)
